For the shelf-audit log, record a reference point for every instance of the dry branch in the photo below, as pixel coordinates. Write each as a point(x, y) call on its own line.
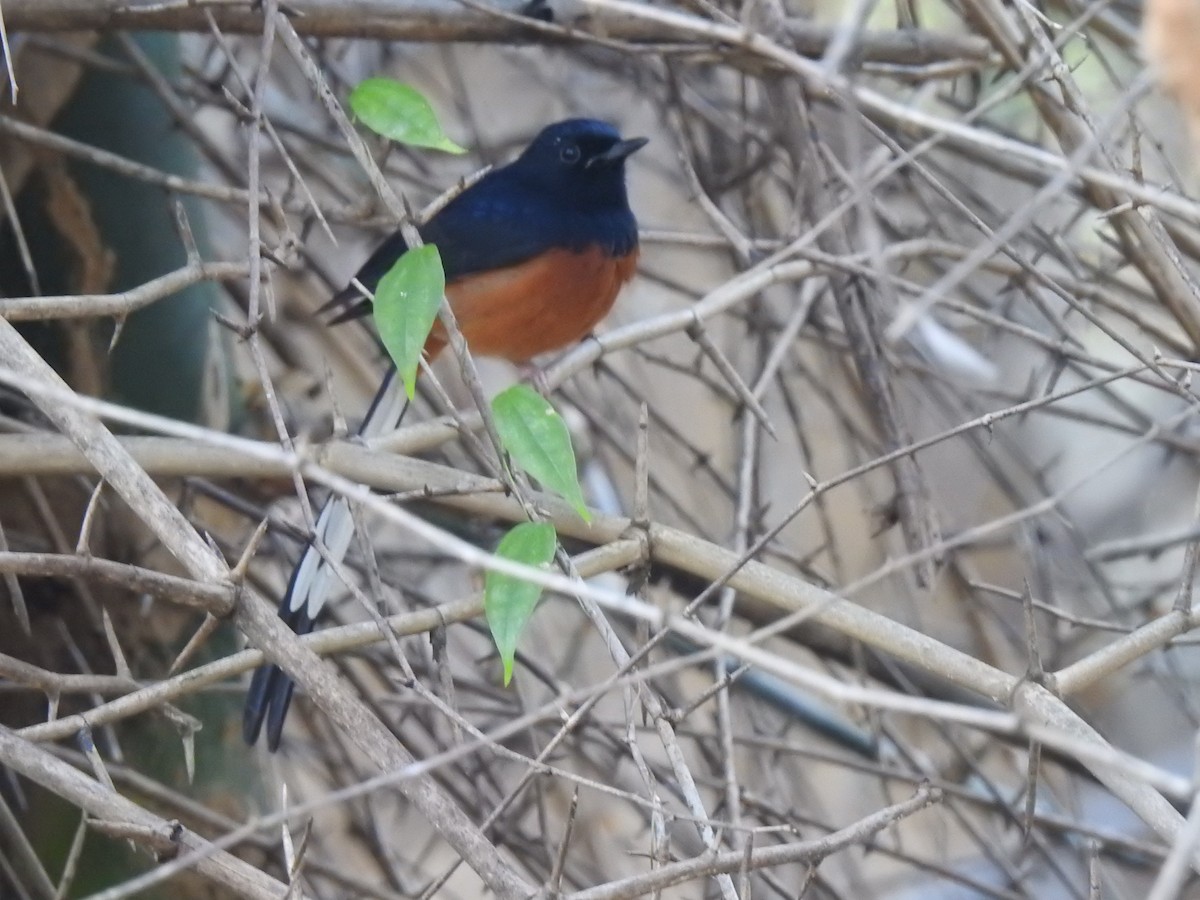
point(929, 277)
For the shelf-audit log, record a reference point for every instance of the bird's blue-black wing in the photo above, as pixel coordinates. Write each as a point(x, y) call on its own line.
point(492, 225)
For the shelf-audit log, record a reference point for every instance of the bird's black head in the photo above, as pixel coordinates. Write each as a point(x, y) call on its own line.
point(581, 158)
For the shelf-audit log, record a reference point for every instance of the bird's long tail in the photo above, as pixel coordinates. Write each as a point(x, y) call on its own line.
point(314, 580)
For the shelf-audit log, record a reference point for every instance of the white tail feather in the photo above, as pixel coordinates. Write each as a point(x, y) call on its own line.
point(316, 579)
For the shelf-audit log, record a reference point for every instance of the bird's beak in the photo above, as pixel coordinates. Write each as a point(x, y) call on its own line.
point(617, 153)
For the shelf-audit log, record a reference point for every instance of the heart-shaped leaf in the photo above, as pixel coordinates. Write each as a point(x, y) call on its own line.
point(400, 113)
point(508, 601)
point(406, 303)
point(538, 441)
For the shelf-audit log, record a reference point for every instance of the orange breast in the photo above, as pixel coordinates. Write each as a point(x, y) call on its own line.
point(545, 304)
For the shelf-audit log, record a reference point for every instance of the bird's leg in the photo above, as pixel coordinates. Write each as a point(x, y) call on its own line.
point(536, 376)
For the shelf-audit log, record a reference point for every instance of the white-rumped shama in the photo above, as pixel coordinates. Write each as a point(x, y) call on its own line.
point(535, 253)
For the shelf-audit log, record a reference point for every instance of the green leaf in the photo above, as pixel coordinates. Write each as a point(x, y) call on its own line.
point(538, 441)
point(406, 303)
point(400, 113)
point(508, 602)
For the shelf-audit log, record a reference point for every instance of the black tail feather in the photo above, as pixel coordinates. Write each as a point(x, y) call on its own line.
point(348, 304)
point(271, 688)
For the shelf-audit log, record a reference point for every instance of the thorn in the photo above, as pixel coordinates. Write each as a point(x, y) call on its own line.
point(237, 574)
point(88, 745)
point(188, 737)
point(89, 514)
point(245, 332)
point(203, 633)
point(119, 662)
point(697, 333)
point(118, 330)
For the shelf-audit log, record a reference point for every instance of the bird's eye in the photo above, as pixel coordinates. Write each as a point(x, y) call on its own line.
point(569, 153)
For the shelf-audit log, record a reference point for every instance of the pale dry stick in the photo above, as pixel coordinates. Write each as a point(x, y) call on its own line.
point(654, 707)
point(167, 800)
point(258, 621)
point(271, 458)
point(1149, 545)
point(437, 21)
point(756, 581)
point(784, 593)
point(733, 237)
point(395, 205)
point(217, 599)
point(1111, 658)
point(18, 233)
point(326, 642)
point(737, 290)
point(1045, 505)
point(254, 314)
point(121, 165)
point(985, 421)
point(1187, 580)
point(121, 303)
point(999, 238)
point(1146, 242)
point(218, 454)
point(53, 684)
point(34, 454)
point(145, 70)
point(15, 593)
point(268, 126)
point(22, 857)
point(851, 23)
point(1176, 869)
point(903, 115)
point(1090, 754)
point(728, 295)
point(368, 786)
point(254, 239)
point(6, 49)
point(358, 148)
point(745, 505)
point(699, 335)
point(916, 513)
point(75, 854)
point(221, 868)
point(812, 852)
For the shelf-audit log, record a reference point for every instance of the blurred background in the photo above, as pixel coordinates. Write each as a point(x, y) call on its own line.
point(967, 229)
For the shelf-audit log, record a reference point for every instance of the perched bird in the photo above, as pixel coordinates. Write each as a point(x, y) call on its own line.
point(535, 253)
